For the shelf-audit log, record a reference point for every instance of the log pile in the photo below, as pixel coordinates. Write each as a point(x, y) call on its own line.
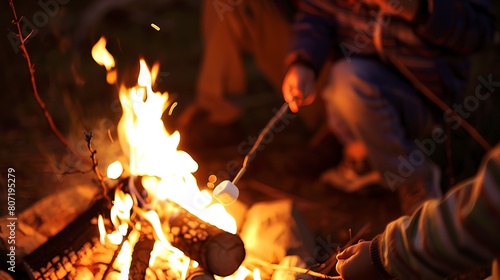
point(272, 231)
point(47, 217)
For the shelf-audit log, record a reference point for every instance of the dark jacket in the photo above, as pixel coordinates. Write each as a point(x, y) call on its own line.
point(434, 48)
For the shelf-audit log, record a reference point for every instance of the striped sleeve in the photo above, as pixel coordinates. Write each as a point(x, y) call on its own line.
point(458, 234)
point(461, 26)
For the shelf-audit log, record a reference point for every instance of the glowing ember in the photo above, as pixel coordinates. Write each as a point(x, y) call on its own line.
point(156, 27)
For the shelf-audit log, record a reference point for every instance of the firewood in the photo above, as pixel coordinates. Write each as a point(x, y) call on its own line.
point(54, 212)
point(217, 251)
point(27, 239)
point(199, 274)
point(48, 216)
point(140, 257)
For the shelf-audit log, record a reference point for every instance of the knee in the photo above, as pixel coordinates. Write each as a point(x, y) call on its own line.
point(350, 86)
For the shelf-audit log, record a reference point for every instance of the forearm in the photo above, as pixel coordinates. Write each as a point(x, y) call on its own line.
point(455, 235)
point(312, 34)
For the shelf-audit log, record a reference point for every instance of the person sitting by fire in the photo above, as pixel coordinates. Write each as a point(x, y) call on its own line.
point(259, 29)
point(443, 238)
point(382, 51)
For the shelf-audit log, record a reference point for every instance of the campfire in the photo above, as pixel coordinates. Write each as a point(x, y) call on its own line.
point(160, 225)
point(176, 226)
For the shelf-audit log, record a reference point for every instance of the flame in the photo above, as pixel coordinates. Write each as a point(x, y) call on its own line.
point(167, 173)
point(256, 274)
point(153, 152)
point(101, 55)
point(242, 273)
point(114, 170)
point(120, 212)
point(123, 260)
point(102, 230)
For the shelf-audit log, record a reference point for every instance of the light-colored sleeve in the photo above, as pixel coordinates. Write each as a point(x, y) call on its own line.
point(457, 234)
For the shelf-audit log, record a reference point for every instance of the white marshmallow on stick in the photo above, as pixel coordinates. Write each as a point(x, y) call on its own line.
point(226, 192)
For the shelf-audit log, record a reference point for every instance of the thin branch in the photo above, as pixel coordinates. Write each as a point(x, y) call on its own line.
point(115, 255)
point(293, 269)
point(95, 163)
point(76, 171)
point(329, 264)
point(357, 236)
point(441, 104)
point(41, 103)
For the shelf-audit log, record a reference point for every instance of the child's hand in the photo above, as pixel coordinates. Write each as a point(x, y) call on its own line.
point(355, 263)
point(298, 86)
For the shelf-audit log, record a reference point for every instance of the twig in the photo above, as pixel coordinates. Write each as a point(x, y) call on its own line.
point(440, 103)
point(31, 69)
point(329, 264)
point(295, 269)
point(95, 163)
point(115, 255)
point(69, 172)
point(362, 231)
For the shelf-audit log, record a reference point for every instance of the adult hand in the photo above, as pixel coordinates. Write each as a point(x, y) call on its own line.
point(298, 86)
point(355, 263)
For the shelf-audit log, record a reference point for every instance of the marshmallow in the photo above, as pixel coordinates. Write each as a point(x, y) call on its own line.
point(226, 192)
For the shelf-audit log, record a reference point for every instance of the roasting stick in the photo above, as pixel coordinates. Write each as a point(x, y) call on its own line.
point(227, 192)
point(272, 266)
point(279, 114)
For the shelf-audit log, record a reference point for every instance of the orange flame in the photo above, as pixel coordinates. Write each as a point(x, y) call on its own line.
point(167, 172)
point(104, 58)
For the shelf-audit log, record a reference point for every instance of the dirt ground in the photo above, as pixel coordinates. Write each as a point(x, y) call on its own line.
point(75, 91)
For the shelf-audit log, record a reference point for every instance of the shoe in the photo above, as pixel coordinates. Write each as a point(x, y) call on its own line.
point(351, 176)
point(354, 173)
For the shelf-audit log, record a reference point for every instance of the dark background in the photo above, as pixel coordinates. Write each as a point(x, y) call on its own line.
point(79, 99)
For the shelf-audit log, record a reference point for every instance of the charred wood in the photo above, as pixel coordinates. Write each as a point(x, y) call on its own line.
point(217, 251)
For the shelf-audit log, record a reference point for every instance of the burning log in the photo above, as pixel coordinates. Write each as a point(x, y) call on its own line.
point(217, 251)
point(199, 274)
point(141, 256)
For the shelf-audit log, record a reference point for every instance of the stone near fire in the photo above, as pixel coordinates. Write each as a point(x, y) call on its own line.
point(226, 192)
